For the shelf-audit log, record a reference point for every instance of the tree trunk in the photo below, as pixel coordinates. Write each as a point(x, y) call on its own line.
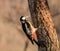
point(41, 18)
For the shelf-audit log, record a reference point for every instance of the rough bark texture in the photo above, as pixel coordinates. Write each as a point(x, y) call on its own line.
point(41, 17)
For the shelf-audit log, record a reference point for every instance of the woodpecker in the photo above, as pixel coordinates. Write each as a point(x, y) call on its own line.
point(28, 29)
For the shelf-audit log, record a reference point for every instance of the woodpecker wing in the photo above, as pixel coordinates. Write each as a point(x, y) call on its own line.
point(27, 30)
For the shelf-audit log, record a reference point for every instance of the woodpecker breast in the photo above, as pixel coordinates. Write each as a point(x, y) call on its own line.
point(32, 28)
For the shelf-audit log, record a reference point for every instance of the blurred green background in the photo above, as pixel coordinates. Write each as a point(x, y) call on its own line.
point(12, 37)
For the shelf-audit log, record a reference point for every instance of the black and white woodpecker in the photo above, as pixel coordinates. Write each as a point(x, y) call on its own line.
point(28, 29)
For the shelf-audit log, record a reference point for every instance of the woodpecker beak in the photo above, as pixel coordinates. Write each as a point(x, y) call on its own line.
point(27, 17)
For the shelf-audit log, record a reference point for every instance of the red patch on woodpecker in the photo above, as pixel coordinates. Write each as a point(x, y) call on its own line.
point(33, 35)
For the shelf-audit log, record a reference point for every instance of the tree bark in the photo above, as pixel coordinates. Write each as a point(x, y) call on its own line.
point(41, 18)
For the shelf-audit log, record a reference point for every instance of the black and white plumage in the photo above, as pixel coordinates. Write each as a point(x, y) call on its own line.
point(28, 29)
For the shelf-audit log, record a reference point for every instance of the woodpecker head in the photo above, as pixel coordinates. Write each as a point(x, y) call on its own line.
point(22, 19)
